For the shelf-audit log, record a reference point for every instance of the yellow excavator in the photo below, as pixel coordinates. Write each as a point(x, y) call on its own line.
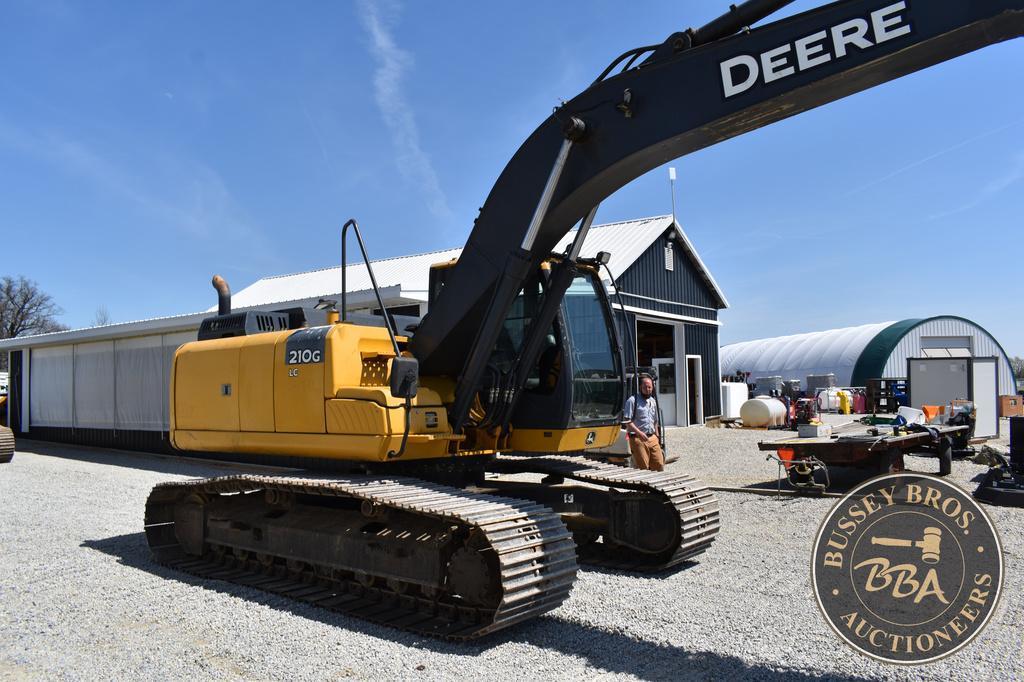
point(443, 489)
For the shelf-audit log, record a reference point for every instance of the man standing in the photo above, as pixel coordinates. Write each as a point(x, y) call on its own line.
point(641, 416)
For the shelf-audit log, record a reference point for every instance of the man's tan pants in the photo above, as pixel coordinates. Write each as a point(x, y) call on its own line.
point(647, 455)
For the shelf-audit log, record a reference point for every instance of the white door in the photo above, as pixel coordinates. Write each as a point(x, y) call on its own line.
point(937, 381)
point(666, 369)
point(694, 390)
point(984, 393)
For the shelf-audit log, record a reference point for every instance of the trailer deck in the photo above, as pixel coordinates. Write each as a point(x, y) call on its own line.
point(880, 453)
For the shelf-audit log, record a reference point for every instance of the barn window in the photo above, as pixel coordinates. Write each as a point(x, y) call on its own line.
point(946, 346)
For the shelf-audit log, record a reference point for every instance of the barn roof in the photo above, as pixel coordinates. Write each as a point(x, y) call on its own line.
point(626, 241)
point(402, 280)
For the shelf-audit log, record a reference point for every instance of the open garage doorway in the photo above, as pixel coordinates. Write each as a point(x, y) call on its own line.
point(656, 347)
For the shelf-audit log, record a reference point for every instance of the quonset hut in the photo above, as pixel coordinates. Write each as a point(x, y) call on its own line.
point(870, 351)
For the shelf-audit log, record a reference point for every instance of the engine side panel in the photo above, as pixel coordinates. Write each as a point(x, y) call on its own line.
point(318, 392)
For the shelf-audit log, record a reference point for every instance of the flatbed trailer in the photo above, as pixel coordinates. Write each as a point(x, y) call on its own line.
point(800, 457)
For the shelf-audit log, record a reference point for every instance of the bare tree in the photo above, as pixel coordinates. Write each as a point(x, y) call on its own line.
point(25, 309)
point(102, 317)
point(1017, 365)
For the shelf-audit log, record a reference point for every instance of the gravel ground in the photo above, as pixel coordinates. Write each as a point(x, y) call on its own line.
point(80, 598)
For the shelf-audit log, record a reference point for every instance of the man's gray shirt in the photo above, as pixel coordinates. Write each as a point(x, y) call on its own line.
point(643, 412)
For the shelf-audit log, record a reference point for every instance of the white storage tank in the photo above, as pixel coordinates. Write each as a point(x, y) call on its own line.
point(828, 400)
point(734, 394)
point(763, 411)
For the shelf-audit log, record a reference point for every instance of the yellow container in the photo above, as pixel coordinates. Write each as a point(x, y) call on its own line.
point(845, 402)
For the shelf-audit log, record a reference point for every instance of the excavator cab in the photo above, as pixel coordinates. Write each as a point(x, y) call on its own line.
point(571, 397)
point(576, 384)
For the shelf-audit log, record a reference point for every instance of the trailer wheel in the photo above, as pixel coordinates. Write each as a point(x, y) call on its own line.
point(890, 462)
point(945, 456)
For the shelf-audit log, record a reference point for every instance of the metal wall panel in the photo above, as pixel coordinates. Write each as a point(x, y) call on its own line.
point(983, 346)
point(648, 278)
point(105, 385)
point(94, 393)
point(140, 370)
point(702, 340)
point(51, 402)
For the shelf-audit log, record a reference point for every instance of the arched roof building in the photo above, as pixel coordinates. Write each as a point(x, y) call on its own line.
point(856, 354)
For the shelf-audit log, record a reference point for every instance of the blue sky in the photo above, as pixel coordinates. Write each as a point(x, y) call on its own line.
point(145, 146)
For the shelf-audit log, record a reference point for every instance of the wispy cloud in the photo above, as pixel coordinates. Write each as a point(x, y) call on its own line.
point(930, 157)
point(189, 196)
point(392, 62)
point(1010, 176)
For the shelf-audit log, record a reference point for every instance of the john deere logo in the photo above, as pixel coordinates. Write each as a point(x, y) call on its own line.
point(907, 568)
point(591, 437)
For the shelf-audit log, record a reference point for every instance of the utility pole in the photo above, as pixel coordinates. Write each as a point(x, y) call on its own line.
point(672, 189)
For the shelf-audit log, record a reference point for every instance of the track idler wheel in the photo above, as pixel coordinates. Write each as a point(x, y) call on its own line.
point(190, 522)
point(470, 577)
point(473, 572)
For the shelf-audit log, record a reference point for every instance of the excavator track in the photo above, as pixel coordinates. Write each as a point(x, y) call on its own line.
point(696, 507)
point(477, 563)
point(6, 445)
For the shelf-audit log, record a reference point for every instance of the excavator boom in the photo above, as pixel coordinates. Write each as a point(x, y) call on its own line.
point(686, 96)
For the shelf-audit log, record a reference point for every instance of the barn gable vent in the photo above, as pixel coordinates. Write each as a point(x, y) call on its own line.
point(669, 258)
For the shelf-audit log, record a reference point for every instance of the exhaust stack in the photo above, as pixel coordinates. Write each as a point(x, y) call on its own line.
point(226, 324)
point(223, 295)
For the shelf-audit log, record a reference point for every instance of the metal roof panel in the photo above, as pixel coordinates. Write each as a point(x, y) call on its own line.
point(626, 241)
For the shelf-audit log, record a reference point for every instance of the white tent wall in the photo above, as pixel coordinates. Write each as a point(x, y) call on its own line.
point(121, 384)
point(837, 351)
point(94, 386)
point(795, 357)
point(50, 396)
point(139, 368)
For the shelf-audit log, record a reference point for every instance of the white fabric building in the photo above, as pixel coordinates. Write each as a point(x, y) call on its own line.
point(869, 351)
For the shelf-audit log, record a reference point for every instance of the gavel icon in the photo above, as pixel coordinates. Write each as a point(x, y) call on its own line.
point(929, 544)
